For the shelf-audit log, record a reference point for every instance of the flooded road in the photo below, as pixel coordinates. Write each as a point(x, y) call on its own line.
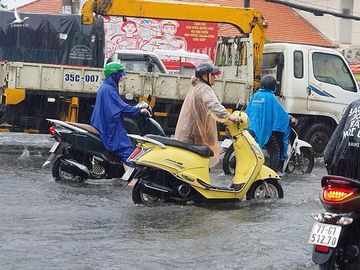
point(48, 225)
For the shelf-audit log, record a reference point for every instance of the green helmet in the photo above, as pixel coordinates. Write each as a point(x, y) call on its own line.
point(112, 67)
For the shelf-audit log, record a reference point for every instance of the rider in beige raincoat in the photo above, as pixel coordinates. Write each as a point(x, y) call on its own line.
point(200, 111)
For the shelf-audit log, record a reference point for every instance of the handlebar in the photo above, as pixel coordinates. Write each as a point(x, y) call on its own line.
point(144, 105)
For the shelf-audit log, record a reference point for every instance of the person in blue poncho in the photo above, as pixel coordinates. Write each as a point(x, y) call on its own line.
point(107, 116)
point(266, 115)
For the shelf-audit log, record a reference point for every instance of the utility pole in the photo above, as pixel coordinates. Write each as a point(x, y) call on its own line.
point(70, 6)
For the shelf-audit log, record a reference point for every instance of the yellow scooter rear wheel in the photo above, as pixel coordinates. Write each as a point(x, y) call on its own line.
point(140, 197)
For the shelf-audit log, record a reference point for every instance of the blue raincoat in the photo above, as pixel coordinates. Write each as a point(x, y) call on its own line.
point(107, 118)
point(267, 115)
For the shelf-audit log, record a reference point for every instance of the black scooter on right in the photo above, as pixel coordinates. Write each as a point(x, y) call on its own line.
point(336, 232)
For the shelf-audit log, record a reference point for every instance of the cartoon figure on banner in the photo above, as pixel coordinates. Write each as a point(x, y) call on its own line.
point(167, 40)
point(112, 30)
point(129, 39)
point(147, 28)
point(111, 25)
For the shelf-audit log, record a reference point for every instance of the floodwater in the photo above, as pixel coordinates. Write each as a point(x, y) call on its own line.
point(48, 225)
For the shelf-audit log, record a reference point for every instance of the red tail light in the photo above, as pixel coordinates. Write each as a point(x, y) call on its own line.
point(52, 130)
point(135, 153)
point(336, 194)
point(322, 249)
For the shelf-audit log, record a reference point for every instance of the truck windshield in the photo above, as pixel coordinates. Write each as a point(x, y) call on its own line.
point(332, 69)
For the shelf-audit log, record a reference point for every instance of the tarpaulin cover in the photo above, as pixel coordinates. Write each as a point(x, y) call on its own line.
point(51, 39)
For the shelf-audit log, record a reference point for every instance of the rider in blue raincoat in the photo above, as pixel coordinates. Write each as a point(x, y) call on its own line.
point(107, 116)
point(267, 115)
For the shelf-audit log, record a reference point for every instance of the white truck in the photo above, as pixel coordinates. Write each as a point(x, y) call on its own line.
point(309, 90)
point(316, 86)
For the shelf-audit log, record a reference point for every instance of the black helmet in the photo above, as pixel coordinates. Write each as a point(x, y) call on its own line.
point(206, 68)
point(269, 82)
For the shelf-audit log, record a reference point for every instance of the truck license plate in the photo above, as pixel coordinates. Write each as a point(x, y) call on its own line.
point(325, 234)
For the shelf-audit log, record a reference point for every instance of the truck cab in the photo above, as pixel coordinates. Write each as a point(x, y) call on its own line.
point(138, 60)
point(316, 85)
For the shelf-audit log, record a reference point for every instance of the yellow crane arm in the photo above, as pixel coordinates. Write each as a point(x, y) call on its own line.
point(246, 20)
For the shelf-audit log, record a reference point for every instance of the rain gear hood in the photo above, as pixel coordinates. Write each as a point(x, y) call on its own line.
point(267, 115)
point(107, 118)
point(197, 119)
point(342, 152)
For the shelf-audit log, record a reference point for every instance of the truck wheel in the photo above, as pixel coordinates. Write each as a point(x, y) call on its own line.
point(318, 136)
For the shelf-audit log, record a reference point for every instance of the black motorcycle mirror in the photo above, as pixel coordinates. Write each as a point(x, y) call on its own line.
point(240, 106)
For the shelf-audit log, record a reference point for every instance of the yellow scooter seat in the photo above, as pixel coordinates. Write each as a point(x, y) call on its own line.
point(204, 151)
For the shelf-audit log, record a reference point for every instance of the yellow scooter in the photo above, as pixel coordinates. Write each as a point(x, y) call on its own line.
point(170, 170)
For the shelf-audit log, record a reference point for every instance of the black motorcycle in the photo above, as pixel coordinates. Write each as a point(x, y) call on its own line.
point(336, 233)
point(78, 153)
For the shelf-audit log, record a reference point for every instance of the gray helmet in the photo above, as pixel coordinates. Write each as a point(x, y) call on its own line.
point(269, 82)
point(206, 68)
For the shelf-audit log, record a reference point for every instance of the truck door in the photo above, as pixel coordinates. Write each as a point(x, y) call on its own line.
point(331, 84)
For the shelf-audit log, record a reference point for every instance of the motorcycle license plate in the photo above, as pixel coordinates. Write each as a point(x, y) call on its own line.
point(128, 174)
point(54, 147)
point(325, 234)
point(226, 143)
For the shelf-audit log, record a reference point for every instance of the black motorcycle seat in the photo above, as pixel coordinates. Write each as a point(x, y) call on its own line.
point(204, 151)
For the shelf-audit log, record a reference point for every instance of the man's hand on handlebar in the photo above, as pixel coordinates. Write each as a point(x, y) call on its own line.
point(145, 111)
point(293, 121)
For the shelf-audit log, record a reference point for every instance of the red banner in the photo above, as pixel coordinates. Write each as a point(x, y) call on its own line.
point(152, 35)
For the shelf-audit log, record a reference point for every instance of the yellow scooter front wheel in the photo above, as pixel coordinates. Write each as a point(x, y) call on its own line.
point(265, 189)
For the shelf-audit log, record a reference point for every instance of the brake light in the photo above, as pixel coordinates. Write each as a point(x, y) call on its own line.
point(52, 130)
point(322, 249)
point(336, 194)
point(137, 151)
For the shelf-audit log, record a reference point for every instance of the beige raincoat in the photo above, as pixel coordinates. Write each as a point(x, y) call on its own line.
point(197, 120)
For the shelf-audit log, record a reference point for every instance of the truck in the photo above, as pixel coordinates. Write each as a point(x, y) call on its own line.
point(307, 89)
point(68, 92)
point(316, 85)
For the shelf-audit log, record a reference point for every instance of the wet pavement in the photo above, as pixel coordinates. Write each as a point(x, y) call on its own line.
point(48, 225)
